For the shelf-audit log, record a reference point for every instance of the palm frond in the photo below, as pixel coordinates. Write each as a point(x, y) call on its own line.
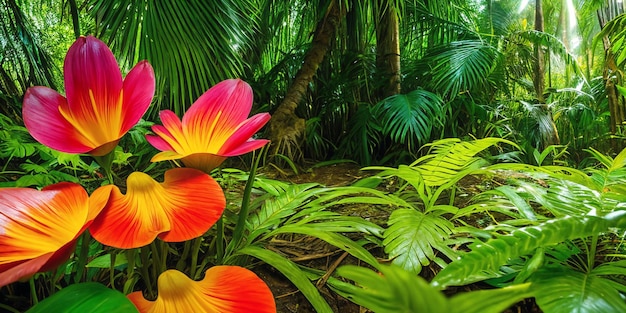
point(409, 118)
point(447, 157)
point(192, 45)
point(461, 66)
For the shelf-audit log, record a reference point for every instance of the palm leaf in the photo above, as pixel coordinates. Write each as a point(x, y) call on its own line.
point(192, 45)
point(413, 237)
point(409, 118)
point(461, 66)
point(485, 259)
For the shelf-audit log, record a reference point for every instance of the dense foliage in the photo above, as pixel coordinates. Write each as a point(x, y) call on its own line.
point(427, 96)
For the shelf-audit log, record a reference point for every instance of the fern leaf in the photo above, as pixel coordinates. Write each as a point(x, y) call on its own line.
point(275, 210)
point(448, 157)
point(485, 259)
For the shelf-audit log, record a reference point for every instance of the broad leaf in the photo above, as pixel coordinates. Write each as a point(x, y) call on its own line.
point(563, 290)
point(85, 298)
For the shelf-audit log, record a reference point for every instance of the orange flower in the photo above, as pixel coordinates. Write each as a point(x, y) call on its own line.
point(224, 289)
point(100, 107)
point(38, 229)
point(183, 207)
point(215, 127)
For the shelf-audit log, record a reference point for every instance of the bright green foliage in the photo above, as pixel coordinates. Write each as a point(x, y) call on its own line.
point(409, 118)
point(413, 236)
point(485, 259)
point(85, 298)
point(559, 289)
point(395, 290)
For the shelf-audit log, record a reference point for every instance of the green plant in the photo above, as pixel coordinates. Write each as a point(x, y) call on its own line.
point(397, 290)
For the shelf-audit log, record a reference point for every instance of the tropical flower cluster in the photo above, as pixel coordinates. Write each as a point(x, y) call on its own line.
point(39, 228)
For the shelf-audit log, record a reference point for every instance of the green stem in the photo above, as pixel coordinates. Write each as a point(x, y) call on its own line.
point(33, 290)
point(180, 265)
point(82, 256)
point(195, 250)
point(112, 268)
point(145, 262)
point(130, 269)
point(219, 244)
point(156, 259)
point(245, 208)
point(106, 164)
point(8, 308)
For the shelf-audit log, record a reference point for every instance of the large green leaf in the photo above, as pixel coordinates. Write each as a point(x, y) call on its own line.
point(563, 290)
point(486, 258)
point(85, 298)
point(413, 237)
point(397, 290)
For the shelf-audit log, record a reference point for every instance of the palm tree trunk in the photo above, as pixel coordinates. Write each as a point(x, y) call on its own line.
point(285, 127)
point(539, 66)
point(388, 48)
point(551, 137)
point(616, 106)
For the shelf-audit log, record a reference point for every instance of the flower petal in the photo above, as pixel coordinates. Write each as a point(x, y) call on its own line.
point(224, 289)
point(38, 229)
point(199, 203)
point(129, 221)
point(216, 115)
point(171, 132)
point(183, 207)
point(19, 270)
point(158, 143)
point(41, 115)
point(239, 142)
point(138, 88)
point(93, 84)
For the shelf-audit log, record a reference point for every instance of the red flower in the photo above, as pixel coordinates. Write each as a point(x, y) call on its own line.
point(100, 107)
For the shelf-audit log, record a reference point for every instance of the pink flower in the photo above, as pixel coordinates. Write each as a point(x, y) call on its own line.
point(215, 127)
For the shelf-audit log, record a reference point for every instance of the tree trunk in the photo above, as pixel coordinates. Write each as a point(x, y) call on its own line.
point(616, 105)
point(285, 127)
point(388, 48)
point(551, 136)
point(539, 66)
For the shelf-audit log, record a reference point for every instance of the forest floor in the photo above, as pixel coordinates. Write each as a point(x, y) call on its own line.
point(314, 253)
